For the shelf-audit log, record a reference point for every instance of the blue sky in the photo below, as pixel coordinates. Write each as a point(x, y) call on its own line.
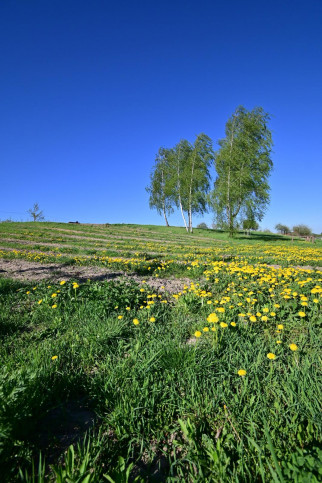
point(91, 89)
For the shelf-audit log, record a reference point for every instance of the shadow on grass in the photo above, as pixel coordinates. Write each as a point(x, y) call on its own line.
point(9, 286)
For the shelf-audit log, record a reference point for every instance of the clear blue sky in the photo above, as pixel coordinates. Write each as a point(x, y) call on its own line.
point(91, 89)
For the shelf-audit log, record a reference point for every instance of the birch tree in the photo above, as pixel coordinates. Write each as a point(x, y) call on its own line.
point(160, 186)
point(198, 176)
point(243, 165)
point(179, 159)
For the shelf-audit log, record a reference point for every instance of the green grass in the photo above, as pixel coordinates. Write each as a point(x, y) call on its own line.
point(165, 410)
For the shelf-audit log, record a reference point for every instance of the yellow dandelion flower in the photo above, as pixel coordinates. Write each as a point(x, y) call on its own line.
point(233, 324)
point(62, 282)
point(271, 356)
point(212, 318)
point(278, 342)
point(280, 326)
point(54, 306)
point(39, 301)
point(272, 314)
point(120, 317)
point(223, 324)
point(205, 329)
point(252, 318)
point(54, 295)
point(264, 318)
point(54, 358)
point(197, 333)
point(265, 309)
point(152, 319)
point(302, 314)
point(136, 322)
point(293, 347)
point(242, 372)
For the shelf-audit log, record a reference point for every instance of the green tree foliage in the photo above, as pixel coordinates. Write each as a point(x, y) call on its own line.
point(36, 213)
point(283, 229)
point(243, 165)
point(197, 176)
point(202, 226)
point(249, 225)
point(302, 230)
point(181, 177)
point(160, 186)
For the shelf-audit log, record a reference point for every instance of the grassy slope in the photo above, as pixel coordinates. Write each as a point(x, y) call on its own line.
point(165, 409)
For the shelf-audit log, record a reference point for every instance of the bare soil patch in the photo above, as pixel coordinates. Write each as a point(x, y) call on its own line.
point(19, 269)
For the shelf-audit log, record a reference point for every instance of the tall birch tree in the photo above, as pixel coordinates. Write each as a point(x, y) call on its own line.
point(160, 186)
point(243, 165)
point(197, 174)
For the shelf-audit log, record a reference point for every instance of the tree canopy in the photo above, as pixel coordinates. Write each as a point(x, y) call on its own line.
point(243, 165)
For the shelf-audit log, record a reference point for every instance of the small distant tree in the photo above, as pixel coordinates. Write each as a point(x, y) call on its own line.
point(202, 226)
point(283, 229)
point(302, 230)
point(249, 225)
point(36, 213)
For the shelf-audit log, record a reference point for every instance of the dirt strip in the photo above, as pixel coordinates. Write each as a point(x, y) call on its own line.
point(24, 270)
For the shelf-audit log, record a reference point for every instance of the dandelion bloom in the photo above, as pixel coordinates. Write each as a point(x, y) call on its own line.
point(264, 318)
point(271, 356)
point(120, 317)
point(127, 308)
point(28, 292)
point(252, 318)
point(278, 342)
point(152, 319)
point(265, 309)
point(212, 318)
point(54, 358)
point(54, 306)
point(62, 282)
point(273, 314)
point(136, 322)
point(233, 324)
point(75, 285)
point(302, 314)
point(242, 372)
point(220, 309)
point(197, 333)
point(142, 290)
point(54, 295)
point(223, 324)
point(293, 347)
point(205, 329)
point(39, 302)
point(280, 326)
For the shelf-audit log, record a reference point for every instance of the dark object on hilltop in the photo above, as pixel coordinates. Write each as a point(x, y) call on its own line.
point(74, 222)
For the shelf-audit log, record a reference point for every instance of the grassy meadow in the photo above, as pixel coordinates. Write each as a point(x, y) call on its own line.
point(124, 380)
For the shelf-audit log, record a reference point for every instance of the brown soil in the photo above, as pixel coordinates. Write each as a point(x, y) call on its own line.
point(19, 269)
